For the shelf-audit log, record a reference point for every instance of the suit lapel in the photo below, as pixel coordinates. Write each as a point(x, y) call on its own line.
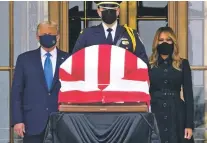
point(118, 34)
point(38, 64)
point(59, 61)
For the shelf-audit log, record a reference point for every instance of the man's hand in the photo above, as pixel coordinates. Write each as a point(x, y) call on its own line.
point(188, 133)
point(19, 129)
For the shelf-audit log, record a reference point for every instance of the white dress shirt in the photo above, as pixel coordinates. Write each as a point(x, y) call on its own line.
point(53, 58)
point(113, 32)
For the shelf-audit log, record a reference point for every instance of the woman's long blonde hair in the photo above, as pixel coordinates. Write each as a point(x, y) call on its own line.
point(153, 60)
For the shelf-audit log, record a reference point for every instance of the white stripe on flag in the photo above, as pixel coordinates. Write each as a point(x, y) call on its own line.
point(91, 66)
point(77, 85)
point(128, 85)
point(141, 64)
point(117, 63)
point(67, 65)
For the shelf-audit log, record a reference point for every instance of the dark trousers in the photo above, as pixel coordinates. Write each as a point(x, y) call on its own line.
point(34, 138)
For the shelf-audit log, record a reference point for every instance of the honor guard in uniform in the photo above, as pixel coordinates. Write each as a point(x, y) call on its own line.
point(110, 32)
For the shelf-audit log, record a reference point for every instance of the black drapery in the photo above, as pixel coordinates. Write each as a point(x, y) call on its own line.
point(102, 128)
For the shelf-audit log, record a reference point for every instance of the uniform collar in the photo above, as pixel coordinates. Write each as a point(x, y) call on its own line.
point(113, 27)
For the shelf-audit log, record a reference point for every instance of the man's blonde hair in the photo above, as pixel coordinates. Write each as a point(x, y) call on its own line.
point(50, 24)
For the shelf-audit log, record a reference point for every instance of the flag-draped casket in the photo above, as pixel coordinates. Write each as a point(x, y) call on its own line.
point(103, 73)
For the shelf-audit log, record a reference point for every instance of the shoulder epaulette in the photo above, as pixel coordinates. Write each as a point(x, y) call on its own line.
point(88, 28)
point(81, 32)
point(94, 26)
point(131, 35)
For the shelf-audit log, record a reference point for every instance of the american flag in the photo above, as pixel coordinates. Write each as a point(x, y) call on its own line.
point(103, 73)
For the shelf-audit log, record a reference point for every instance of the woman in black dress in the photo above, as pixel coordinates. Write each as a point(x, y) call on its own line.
point(168, 74)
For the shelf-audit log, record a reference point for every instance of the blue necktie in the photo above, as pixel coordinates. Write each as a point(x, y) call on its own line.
point(109, 37)
point(48, 71)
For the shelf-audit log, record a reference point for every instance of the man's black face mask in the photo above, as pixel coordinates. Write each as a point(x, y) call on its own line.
point(109, 16)
point(48, 41)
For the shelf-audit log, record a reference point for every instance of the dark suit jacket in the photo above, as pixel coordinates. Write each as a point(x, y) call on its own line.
point(31, 101)
point(95, 36)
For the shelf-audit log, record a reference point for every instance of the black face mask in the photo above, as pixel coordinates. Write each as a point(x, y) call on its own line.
point(165, 49)
point(109, 16)
point(48, 41)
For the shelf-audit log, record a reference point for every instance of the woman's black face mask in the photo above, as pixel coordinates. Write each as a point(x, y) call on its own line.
point(165, 48)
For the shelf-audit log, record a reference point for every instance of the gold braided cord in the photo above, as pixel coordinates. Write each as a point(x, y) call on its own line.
point(105, 2)
point(131, 35)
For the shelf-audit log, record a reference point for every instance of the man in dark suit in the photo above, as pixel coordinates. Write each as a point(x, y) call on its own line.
point(109, 32)
point(36, 85)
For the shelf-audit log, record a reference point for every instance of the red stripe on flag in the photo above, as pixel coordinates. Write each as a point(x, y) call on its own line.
point(97, 96)
point(104, 61)
point(138, 75)
point(64, 76)
point(127, 97)
point(78, 65)
point(131, 70)
point(80, 97)
point(145, 74)
point(130, 63)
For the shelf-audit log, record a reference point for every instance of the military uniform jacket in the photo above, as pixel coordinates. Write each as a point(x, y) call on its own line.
point(95, 36)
